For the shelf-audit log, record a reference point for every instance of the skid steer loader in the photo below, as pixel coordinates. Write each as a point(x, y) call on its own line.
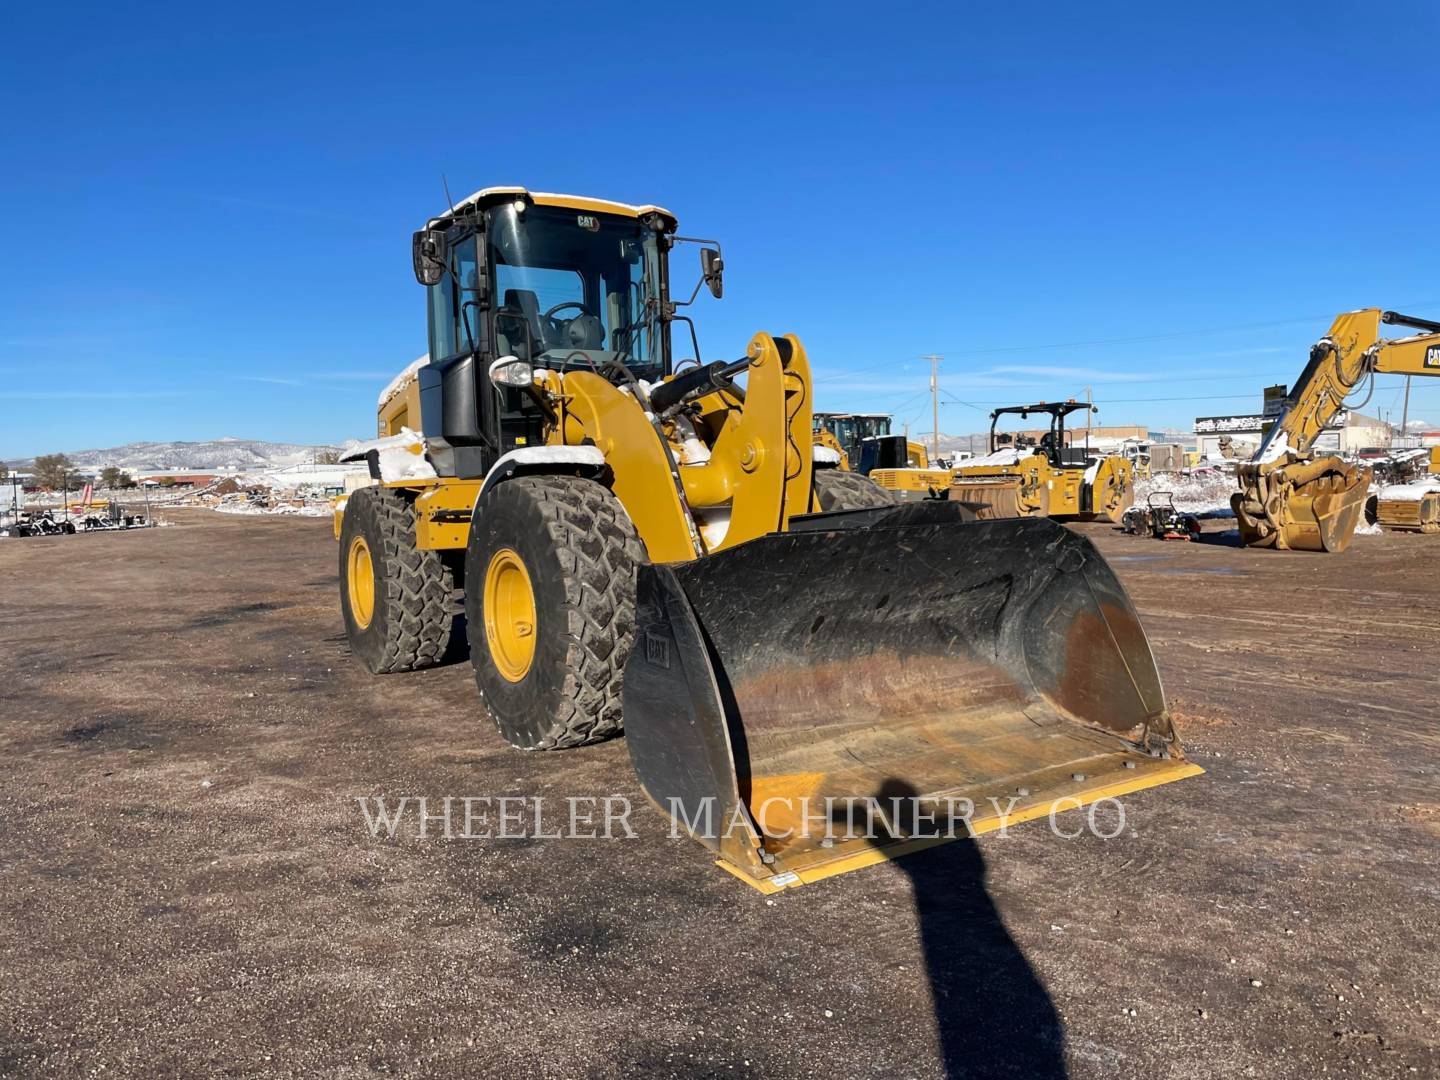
point(647, 540)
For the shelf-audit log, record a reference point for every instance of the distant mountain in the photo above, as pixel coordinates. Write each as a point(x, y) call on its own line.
point(223, 454)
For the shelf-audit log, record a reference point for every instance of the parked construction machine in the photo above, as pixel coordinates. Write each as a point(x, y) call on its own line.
point(866, 445)
point(648, 541)
point(1292, 500)
point(1160, 518)
point(1052, 478)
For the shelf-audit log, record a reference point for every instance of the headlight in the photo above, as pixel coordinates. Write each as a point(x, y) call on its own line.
point(512, 371)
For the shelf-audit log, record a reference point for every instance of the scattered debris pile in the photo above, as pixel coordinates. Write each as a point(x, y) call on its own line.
point(262, 500)
point(1201, 496)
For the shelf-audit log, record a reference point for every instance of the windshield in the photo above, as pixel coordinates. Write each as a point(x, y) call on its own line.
point(850, 429)
point(575, 289)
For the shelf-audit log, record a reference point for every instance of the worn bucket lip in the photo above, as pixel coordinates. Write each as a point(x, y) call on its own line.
point(857, 855)
point(807, 862)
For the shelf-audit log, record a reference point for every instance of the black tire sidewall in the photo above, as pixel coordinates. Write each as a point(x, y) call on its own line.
point(362, 519)
point(509, 516)
point(847, 491)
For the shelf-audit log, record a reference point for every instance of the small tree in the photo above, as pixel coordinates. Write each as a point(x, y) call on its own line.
point(4, 471)
point(113, 477)
point(51, 471)
point(328, 457)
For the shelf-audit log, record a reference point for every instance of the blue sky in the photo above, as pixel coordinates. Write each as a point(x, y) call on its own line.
point(206, 210)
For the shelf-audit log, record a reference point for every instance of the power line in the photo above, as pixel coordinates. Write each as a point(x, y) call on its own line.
point(1139, 401)
point(1134, 340)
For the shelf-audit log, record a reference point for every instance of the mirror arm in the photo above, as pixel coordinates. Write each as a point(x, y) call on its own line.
point(696, 240)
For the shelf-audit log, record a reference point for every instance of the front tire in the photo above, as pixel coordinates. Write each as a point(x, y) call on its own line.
point(550, 602)
point(837, 490)
point(395, 598)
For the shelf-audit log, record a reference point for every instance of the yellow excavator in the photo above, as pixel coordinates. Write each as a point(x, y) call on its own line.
point(651, 543)
point(1051, 479)
point(1292, 500)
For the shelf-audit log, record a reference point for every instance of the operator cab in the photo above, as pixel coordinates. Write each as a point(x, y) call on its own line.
point(575, 290)
point(1059, 453)
point(554, 281)
point(851, 430)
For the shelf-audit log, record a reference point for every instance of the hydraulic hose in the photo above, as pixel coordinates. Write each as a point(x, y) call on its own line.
point(702, 380)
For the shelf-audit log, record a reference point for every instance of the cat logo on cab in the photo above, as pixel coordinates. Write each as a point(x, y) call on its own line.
point(588, 221)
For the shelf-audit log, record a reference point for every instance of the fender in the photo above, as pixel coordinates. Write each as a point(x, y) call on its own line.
point(586, 461)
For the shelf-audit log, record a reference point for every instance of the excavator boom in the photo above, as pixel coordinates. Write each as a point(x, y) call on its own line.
point(1288, 498)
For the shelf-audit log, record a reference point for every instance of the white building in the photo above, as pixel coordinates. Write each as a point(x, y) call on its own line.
point(1237, 437)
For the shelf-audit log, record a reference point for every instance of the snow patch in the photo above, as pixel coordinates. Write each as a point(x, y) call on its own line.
point(398, 383)
point(400, 457)
point(1275, 449)
point(1410, 492)
point(1006, 456)
point(1205, 497)
point(282, 510)
point(543, 455)
point(824, 455)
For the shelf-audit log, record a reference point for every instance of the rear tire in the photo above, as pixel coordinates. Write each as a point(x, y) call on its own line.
point(838, 490)
point(404, 616)
point(550, 603)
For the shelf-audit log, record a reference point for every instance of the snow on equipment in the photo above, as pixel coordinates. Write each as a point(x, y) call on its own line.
point(647, 539)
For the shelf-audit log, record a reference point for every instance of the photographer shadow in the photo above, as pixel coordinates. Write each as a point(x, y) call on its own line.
point(993, 1016)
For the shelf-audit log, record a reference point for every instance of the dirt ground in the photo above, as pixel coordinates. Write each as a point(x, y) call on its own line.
point(187, 885)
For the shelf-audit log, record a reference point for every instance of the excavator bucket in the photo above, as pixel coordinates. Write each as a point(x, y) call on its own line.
point(1319, 512)
point(780, 693)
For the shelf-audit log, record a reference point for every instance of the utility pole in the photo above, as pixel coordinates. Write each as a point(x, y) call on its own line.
point(934, 403)
point(1089, 414)
point(1405, 412)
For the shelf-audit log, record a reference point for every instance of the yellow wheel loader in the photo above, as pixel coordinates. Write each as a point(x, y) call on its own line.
point(850, 433)
point(1292, 500)
point(864, 443)
point(649, 543)
point(1051, 479)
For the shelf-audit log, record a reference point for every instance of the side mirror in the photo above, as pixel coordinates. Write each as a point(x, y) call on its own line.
point(430, 254)
point(712, 267)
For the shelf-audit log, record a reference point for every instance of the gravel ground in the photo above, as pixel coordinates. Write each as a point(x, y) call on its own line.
point(188, 887)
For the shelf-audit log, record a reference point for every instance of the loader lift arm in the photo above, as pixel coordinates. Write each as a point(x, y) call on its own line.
point(1288, 498)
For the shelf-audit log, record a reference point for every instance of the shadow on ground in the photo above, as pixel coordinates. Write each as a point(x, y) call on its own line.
point(993, 1016)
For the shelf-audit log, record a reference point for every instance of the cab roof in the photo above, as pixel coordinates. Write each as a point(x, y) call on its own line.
point(490, 196)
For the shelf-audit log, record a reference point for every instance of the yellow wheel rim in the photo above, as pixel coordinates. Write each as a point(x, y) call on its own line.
point(509, 614)
point(360, 578)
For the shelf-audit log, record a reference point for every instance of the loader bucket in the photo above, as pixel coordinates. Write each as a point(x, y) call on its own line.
point(776, 691)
